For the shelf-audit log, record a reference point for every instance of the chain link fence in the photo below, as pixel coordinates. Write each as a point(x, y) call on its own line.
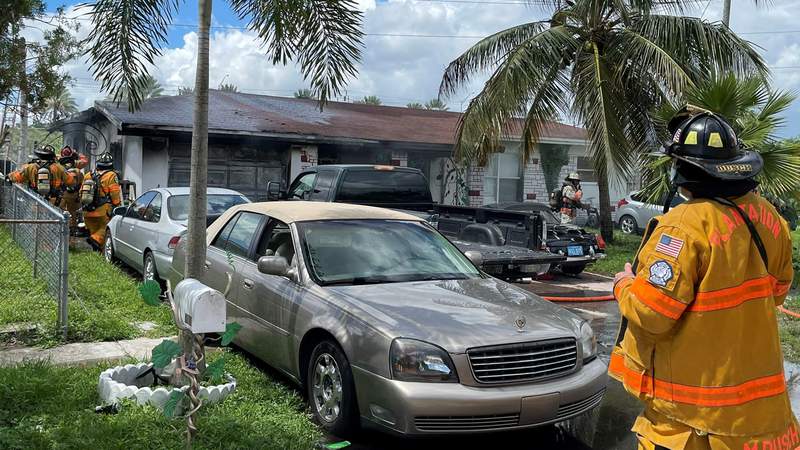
point(34, 254)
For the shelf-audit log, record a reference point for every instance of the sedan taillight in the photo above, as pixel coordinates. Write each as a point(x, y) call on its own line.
point(621, 203)
point(173, 242)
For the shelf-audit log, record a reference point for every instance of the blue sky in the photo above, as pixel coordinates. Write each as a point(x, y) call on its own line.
point(402, 69)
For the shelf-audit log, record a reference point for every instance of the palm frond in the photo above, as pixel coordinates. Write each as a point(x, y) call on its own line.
point(486, 54)
point(323, 36)
point(125, 38)
point(653, 61)
point(781, 173)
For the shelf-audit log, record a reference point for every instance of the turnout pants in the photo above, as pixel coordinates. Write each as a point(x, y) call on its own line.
point(96, 222)
point(656, 431)
point(70, 202)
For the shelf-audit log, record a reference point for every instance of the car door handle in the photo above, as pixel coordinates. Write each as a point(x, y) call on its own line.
point(248, 284)
point(207, 265)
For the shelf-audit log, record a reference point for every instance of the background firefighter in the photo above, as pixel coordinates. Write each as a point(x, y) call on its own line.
point(100, 193)
point(571, 194)
point(701, 346)
point(70, 199)
point(44, 169)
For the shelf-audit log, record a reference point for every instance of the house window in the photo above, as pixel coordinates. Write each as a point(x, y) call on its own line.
point(586, 170)
point(502, 181)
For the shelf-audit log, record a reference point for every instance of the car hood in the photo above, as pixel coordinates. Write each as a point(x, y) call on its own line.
point(457, 314)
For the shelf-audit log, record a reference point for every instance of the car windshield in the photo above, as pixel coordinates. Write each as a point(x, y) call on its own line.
point(380, 251)
point(178, 205)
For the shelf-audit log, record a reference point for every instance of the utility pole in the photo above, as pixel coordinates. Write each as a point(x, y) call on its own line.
point(726, 13)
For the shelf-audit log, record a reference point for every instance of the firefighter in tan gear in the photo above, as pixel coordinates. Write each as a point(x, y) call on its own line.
point(571, 195)
point(100, 193)
point(70, 199)
point(44, 175)
point(699, 344)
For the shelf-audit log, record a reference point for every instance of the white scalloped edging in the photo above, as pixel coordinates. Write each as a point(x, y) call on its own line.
point(120, 382)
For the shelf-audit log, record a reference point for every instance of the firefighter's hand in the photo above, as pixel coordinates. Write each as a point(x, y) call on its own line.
point(627, 273)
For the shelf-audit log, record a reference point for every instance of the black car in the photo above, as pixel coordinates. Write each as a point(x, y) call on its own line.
point(580, 247)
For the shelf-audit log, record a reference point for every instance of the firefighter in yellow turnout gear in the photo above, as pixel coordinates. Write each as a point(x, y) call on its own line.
point(44, 175)
point(100, 193)
point(699, 345)
point(70, 199)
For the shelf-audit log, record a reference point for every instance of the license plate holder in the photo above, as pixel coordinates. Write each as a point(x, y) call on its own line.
point(574, 250)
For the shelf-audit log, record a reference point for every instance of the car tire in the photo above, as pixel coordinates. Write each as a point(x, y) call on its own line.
point(108, 248)
point(573, 269)
point(149, 270)
point(331, 390)
point(628, 225)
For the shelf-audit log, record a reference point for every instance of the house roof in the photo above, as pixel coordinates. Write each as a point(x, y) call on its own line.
point(238, 113)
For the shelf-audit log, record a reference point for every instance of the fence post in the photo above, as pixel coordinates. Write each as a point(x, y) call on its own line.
point(63, 275)
point(36, 243)
point(14, 212)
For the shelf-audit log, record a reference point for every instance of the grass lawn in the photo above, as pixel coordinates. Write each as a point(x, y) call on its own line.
point(104, 303)
point(617, 254)
point(45, 407)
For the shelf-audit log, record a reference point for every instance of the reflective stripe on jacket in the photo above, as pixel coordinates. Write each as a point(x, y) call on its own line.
point(702, 344)
point(109, 188)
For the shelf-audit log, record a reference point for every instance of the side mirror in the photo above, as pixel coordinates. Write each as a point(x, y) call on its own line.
point(273, 265)
point(274, 191)
point(475, 258)
point(119, 211)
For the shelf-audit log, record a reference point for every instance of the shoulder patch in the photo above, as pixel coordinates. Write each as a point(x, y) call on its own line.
point(660, 273)
point(669, 245)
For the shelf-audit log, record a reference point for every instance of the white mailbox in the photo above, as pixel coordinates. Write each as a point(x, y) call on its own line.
point(201, 308)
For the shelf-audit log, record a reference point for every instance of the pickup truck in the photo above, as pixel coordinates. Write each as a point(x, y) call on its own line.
point(509, 242)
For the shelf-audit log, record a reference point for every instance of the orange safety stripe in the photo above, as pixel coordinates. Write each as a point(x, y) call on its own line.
point(755, 289)
point(748, 391)
point(657, 300)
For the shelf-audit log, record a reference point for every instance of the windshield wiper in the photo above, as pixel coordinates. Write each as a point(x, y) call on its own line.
point(359, 281)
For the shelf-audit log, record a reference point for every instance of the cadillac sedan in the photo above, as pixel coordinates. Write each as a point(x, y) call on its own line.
point(385, 323)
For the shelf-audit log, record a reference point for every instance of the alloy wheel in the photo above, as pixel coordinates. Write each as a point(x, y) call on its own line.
point(108, 249)
point(326, 388)
point(149, 268)
point(627, 225)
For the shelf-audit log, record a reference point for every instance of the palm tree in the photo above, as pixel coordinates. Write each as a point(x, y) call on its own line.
point(415, 105)
point(61, 104)
point(324, 37)
point(185, 90)
point(436, 104)
point(304, 93)
point(228, 88)
point(369, 100)
point(754, 111)
point(144, 87)
point(605, 63)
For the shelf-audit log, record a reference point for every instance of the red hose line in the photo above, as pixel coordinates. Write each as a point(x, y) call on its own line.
point(787, 312)
point(597, 298)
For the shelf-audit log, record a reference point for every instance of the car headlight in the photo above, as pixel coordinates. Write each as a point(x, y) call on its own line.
point(588, 343)
point(414, 360)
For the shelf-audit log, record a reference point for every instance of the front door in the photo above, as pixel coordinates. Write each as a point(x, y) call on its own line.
point(129, 237)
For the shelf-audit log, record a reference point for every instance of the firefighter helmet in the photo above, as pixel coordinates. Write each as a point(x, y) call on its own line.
point(67, 155)
point(707, 141)
point(573, 176)
point(47, 153)
point(105, 161)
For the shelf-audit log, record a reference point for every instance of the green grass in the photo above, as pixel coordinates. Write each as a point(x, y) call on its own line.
point(46, 407)
point(617, 254)
point(104, 303)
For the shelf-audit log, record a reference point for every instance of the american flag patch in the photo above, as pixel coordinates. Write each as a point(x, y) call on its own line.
point(669, 245)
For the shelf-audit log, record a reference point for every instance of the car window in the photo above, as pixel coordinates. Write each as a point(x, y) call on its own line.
point(153, 211)
point(222, 238)
point(323, 186)
point(178, 205)
point(243, 234)
point(137, 209)
point(302, 186)
point(383, 186)
point(276, 240)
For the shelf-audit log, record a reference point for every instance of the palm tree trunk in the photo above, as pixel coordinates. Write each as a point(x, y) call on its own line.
point(198, 183)
point(726, 13)
point(23, 121)
point(606, 224)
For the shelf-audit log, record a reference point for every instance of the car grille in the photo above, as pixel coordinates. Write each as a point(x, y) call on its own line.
point(575, 408)
point(523, 362)
point(442, 424)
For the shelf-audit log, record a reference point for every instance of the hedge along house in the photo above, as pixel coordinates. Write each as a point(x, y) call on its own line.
point(254, 139)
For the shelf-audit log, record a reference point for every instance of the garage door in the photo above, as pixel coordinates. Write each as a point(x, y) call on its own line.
point(246, 175)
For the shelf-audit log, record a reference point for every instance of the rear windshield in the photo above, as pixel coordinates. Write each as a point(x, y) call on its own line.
point(383, 186)
point(178, 205)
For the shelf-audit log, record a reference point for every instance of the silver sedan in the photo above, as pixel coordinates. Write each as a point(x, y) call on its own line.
point(385, 323)
point(144, 234)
